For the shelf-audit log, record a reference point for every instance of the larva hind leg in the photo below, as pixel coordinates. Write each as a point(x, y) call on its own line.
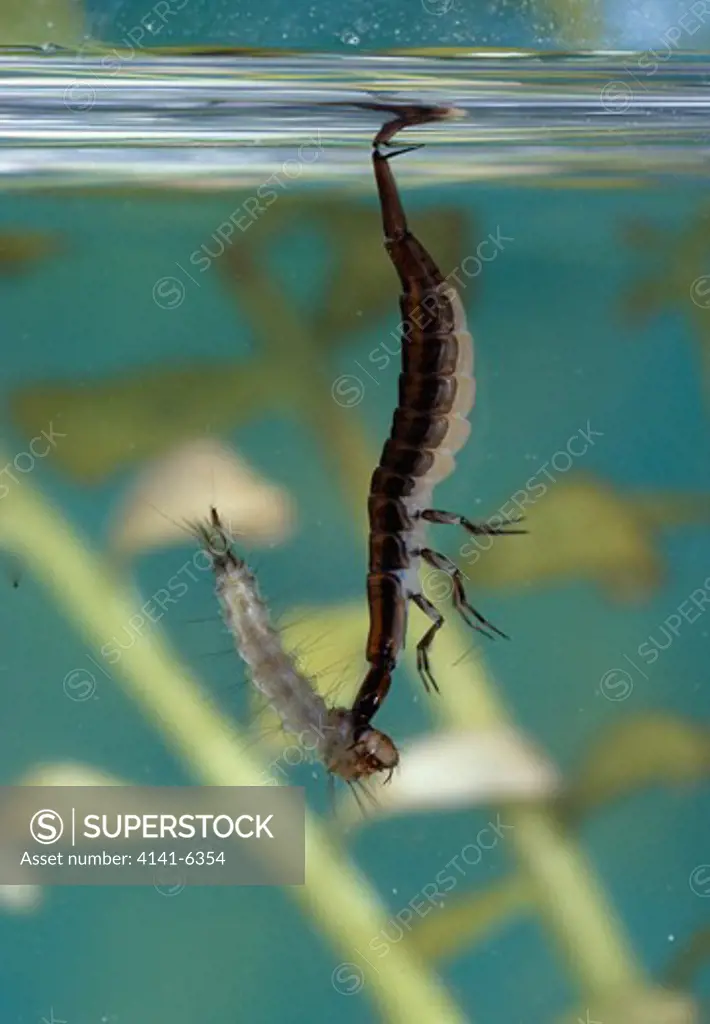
point(433, 515)
point(423, 665)
point(396, 151)
point(462, 605)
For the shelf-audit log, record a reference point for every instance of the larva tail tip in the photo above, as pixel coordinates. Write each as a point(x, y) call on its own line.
point(452, 113)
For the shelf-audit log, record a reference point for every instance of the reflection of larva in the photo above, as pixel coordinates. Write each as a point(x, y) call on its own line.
point(300, 708)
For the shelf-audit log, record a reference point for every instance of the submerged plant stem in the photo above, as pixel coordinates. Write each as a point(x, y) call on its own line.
point(335, 896)
point(470, 919)
point(571, 904)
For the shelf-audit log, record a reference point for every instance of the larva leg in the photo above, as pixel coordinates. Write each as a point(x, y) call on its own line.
point(433, 515)
point(423, 666)
point(398, 152)
point(461, 604)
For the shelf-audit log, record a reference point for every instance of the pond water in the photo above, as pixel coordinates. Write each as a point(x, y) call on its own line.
point(191, 248)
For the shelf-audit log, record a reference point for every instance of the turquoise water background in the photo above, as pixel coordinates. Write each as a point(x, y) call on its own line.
point(553, 355)
point(372, 25)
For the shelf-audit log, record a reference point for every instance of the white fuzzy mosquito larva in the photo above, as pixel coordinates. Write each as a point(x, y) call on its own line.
point(330, 733)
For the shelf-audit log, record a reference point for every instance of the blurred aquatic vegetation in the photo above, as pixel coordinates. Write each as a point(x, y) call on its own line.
point(584, 528)
point(174, 492)
point(217, 752)
point(356, 277)
point(639, 752)
point(358, 283)
point(337, 898)
point(654, 1005)
point(655, 748)
point(20, 251)
point(567, 898)
point(68, 773)
point(570, 903)
point(649, 749)
point(562, 889)
point(679, 281)
point(21, 898)
point(38, 22)
point(689, 958)
point(122, 420)
point(115, 423)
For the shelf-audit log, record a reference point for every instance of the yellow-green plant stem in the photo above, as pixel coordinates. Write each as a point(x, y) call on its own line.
point(471, 919)
point(571, 904)
point(336, 896)
point(284, 338)
point(573, 907)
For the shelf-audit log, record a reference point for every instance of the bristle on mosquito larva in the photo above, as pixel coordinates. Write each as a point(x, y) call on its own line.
point(330, 733)
point(175, 488)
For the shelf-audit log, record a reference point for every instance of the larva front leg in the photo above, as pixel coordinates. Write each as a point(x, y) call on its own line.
point(433, 515)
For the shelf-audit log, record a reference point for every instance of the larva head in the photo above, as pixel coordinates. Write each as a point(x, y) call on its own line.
point(357, 754)
point(375, 752)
